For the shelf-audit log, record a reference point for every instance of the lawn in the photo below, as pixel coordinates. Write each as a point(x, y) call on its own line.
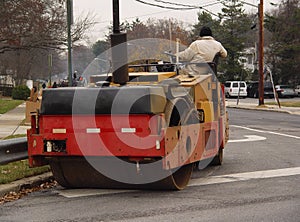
point(18, 170)
point(6, 105)
point(14, 136)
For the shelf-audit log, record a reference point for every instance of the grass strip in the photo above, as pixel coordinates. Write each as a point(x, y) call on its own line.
point(6, 105)
point(14, 136)
point(18, 170)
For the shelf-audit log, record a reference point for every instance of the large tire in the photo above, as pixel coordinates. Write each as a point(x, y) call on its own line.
point(77, 172)
point(176, 111)
point(218, 159)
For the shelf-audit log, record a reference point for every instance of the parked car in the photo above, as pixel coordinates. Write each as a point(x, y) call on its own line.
point(285, 91)
point(297, 90)
point(253, 89)
point(235, 88)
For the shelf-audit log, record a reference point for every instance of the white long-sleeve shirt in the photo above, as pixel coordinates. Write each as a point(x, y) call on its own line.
point(202, 50)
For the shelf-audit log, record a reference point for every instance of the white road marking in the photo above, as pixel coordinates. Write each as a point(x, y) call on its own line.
point(250, 138)
point(229, 178)
point(269, 132)
point(245, 176)
point(72, 193)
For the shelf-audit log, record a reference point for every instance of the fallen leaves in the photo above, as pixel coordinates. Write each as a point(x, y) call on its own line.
point(12, 196)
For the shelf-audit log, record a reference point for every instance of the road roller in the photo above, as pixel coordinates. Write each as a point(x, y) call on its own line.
point(143, 129)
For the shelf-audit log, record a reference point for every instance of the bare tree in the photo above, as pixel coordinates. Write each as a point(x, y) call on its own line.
point(30, 29)
point(161, 28)
point(82, 57)
point(39, 24)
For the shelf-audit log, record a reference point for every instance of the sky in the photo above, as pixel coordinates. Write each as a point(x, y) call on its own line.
point(131, 9)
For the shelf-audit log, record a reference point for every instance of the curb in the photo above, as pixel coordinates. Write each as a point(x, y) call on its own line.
point(29, 182)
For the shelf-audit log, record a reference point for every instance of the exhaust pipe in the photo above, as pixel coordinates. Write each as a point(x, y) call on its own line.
point(119, 49)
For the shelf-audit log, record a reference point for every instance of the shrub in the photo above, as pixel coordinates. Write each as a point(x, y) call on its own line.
point(7, 91)
point(21, 92)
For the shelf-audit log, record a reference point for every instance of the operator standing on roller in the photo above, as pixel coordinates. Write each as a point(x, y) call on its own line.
point(202, 50)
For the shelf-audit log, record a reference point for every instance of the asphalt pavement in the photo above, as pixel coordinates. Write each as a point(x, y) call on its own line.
point(11, 124)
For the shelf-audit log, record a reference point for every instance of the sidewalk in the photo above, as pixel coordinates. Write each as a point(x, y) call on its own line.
point(10, 122)
point(253, 106)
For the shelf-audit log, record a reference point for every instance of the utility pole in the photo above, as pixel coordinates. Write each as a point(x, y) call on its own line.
point(260, 49)
point(261, 52)
point(69, 23)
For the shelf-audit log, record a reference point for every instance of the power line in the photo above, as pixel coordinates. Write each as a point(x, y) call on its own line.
point(173, 3)
point(137, 16)
point(186, 7)
point(192, 6)
point(166, 7)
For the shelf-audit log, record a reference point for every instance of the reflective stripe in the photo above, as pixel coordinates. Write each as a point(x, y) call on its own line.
point(59, 130)
point(128, 130)
point(93, 130)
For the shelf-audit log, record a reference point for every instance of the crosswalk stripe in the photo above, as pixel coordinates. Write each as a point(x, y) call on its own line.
point(229, 178)
point(245, 176)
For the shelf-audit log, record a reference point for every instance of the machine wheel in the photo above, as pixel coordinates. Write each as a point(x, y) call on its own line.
point(176, 111)
point(218, 159)
point(76, 172)
point(181, 177)
point(58, 174)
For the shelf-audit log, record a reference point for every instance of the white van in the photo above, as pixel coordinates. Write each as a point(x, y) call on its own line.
point(232, 89)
